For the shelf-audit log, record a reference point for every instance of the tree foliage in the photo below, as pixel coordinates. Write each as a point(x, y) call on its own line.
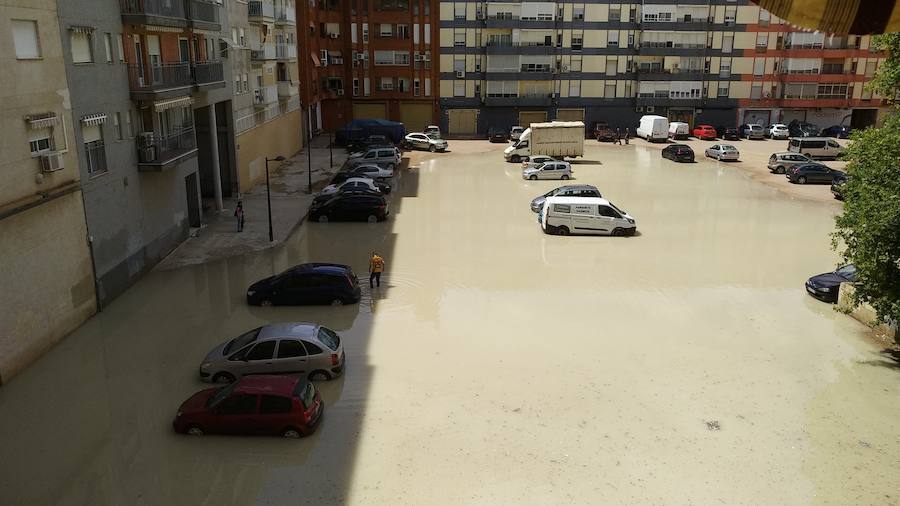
point(886, 81)
point(869, 228)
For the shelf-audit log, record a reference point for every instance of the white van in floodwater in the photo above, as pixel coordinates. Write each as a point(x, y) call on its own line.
point(679, 130)
point(584, 216)
point(653, 128)
point(815, 147)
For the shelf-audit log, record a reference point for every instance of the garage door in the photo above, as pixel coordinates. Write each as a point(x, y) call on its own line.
point(528, 117)
point(416, 116)
point(462, 121)
point(757, 117)
point(570, 114)
point(369, 111)
point(788, 116)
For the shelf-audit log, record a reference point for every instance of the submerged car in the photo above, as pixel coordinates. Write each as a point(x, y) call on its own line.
point(825, 287)
point(813, 173)
point(549, 170)
point(515, 132)
point(704, 132)
point(388, 157)
point(837, 131)
point(433, 130)
point(837, 186)
point(723, 152)
point(536, 161)
point(356, 205)
point(313, 283)
point(425, 141)
point(286, 406)
point(353, 183)
point(778, 131)
point(752, 132)
point(572, 190)
point(307, 349)
point(779, 163)
point(728, 133)
point(678, 153)
point(802, 129)
point(496, 134)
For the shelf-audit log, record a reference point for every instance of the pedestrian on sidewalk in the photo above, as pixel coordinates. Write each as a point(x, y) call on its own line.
point(376, 267)
point(618, 137)
point(239, 214)
point(627, 135)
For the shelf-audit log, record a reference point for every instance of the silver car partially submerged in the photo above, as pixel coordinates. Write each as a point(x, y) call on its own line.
point(306, 349)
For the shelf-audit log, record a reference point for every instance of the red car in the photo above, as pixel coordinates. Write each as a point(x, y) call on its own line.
point(704, 132)
point(285, 406)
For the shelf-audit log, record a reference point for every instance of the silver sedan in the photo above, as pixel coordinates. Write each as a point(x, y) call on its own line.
point(723, 152)
point(307, 349)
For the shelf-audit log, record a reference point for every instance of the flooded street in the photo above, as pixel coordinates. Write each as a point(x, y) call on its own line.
point(497, 365)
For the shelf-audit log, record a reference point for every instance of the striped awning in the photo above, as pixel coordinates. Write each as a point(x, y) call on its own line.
point(172, 103)
point(93, 119)
point(157, 28)
point(44, 120)
point(82, 29)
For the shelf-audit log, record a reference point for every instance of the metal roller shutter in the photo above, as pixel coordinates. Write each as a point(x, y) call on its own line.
point(416, 116)
point(528, 117)
point(570, 114)
point(462, 121)
point(369, 111)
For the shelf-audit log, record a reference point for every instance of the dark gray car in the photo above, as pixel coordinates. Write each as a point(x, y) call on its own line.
point(571, 190)
point(307, 349)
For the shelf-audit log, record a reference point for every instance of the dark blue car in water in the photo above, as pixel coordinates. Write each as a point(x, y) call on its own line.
point(316, 283)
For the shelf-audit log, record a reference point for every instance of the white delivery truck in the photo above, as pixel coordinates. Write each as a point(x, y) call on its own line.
point(653, 128)
point(558, 139)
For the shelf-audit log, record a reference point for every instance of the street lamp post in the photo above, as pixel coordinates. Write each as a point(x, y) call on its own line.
point(278, 158)
point(309, 146)
point(331, 150)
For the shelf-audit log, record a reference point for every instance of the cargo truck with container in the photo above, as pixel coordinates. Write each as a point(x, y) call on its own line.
point(558, 139)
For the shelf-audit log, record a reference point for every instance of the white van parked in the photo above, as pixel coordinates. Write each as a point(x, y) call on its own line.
point(815, 147)
point(653, 128)
point(585, 216)
point(679, 130)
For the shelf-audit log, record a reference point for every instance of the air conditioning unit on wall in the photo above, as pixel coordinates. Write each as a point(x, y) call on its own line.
point(650, 108)
point(52, 162)
point(340, 93)
point(460, 74)
point(334, 35)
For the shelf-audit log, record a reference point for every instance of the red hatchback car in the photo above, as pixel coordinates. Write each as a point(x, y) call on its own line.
point(704, 132)
point(285, 406)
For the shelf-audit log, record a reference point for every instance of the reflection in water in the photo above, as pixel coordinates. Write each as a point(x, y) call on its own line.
point(530, 368)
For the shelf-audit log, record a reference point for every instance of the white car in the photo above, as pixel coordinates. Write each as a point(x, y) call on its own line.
point(779, 131)
point(549, 170)
point(426, 141)
point(515, 132)
point(536, 161)
point(723, 152)
point(353, 182)
point(372, 172)
point(433, 130)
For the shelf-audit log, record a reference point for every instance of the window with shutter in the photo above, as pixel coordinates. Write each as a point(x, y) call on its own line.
point(81, 47)
point(25, 38)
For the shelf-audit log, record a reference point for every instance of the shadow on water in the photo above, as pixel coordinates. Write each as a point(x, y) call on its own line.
point(586, 162)
point(90, 422)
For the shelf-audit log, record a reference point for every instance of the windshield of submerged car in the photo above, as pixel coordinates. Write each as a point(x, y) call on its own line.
point(241, 341)
point(220, 395)
point(848, 271)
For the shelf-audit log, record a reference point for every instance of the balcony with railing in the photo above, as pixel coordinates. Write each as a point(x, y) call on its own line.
point(286, 51)
point(285, 15)
point(287, 89)
point(259, 9)
point(158, 152)
point(209, 74)
point(95, 157)
point(160, 80)
point(265, 95)
point(261, 51)
point(524, 100)
point(204, 14)
point(154, 12)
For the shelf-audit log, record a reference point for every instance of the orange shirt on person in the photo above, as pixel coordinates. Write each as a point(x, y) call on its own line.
point(376, 264)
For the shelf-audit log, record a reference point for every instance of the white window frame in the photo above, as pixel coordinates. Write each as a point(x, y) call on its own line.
point(78, 58)
point(25, 34)
point(458, 85)
point(107, 45)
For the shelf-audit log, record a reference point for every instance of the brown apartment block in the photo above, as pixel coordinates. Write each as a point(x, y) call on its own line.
point(365, 59)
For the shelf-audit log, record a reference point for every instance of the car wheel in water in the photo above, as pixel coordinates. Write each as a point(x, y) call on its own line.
point(565, 176)
point(223, 377)
point(515, 159)
point(562, 230)
point(779, 170)
point(266, 303)
point(801, 180)
point(432, 148)
point(618, 232)
point(194, 430)
point(291, 433)
point(323, 219)
point(319, 375)
point(532, 177)
point(372, 218)
point(337, 302)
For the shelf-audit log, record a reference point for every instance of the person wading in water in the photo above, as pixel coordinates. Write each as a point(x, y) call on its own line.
point(376, 267)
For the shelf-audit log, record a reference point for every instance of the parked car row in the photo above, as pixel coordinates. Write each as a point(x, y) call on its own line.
point(801, 169)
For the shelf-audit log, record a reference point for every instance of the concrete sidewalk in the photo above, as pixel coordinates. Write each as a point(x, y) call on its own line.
point(218, 237)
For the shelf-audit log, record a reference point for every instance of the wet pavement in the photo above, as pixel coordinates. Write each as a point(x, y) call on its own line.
point(497, 365)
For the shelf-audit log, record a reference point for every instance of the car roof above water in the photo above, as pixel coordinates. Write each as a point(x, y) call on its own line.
point(578, 200)
point(320, 267)
point(288, 329)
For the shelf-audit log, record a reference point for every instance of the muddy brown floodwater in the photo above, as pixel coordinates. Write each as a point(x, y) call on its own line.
point(497, 365)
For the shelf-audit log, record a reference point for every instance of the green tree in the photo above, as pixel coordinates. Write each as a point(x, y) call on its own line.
point(869, 228)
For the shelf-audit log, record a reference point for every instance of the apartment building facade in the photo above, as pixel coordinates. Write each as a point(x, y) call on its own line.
point(153, 127)
point(369, 59)
point(266, 76)
point(720, 62)
point(46, 269)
